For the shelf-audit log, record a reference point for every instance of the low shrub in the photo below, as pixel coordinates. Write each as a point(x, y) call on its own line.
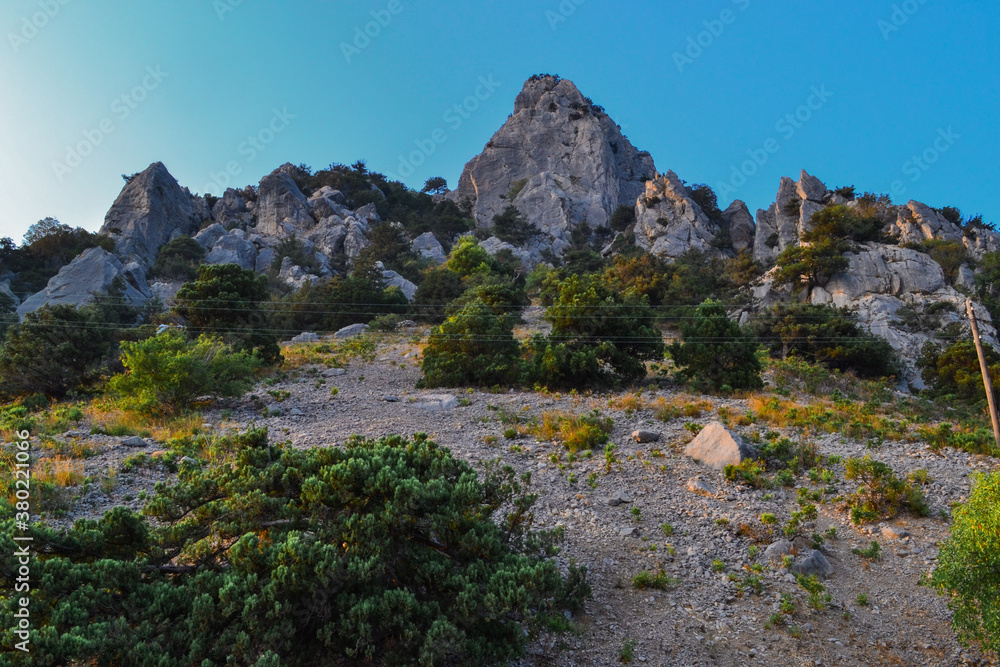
point(882, 494)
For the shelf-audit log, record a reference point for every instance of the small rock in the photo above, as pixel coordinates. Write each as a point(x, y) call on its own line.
point(391, 399)
point(619, 497)
point(631, 531)
point(306, 337)
point(133, 441)
point(893, 533)
point(438, 402)
point(334, 372)
point(407, 324)
point(75, 434)
point(700, 487)
point(777, 550)
point(295, 412)
point(645, 436)
point(188, 459)
point(813, 563)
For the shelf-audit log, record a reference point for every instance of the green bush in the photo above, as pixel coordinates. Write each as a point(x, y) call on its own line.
point(882, 495)
point(387, 552)
point(968, 569)
point(955, 371)
point(179, 259)
point(439, 288)
point(227, 301)
point(826, 335)
point(716, 352)
point(48, 246)
point(165, 373)
point(599, 336)
point(511, 226)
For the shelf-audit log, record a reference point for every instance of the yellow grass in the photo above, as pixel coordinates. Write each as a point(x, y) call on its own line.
point(60, 471)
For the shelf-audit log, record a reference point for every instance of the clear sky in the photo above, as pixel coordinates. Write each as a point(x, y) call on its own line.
point(704, 86)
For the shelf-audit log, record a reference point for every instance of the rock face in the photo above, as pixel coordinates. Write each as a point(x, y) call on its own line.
point(152, 209)
point(233, 248)
point(428, 247)
point(716, 446)
point(281, 207)
point(742, 228)
point(918, 223)
point(669, 222)
point(94, 272)
point(782, 224)
point(560, 160)
point(232, 209)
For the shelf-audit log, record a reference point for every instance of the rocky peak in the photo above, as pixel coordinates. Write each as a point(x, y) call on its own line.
point(151, 209)
point(781, 225)
point(560, 160)
point(669, 222)
point(281, 206)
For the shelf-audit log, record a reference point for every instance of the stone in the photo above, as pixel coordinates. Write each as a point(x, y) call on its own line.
point(742, 228)
point(437, 402)
point(428, 247)
point(74, 433)
point(619, 498)
point(351, 331)
point(232, 249)
point(295, 276)
point(133, 441)
point(777, 551)
point(93, 272)
point(355, 238)
point(894, 533)
point(716, 446)
point(812, 563)
point(560, 160)
point(629, 531)
point(641, 436)
point(281, 206)
point(327, 202)
point(700, 487)
point(494, 246)
point(391, 399)
point(210, 235)
point(231, 209)
point(296, 412)
point(306, 337)
point(393, 279)
point(151, 210)
point(334, 372)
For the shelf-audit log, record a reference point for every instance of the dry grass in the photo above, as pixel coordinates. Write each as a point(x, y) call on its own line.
point(680, 406)
point(854, 419)
point(107, 418)
point(59, 471)
point(576, 432)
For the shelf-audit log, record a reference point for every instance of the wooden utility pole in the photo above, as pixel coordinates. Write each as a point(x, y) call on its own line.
point(985, 369)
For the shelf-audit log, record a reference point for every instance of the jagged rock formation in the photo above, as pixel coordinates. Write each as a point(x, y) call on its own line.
point(560, 160)
point(152, 209)
point(428, 247)
point(95, 272)
point(781, 225)
point(669, 222)
point(282, 209)
point(742, 228)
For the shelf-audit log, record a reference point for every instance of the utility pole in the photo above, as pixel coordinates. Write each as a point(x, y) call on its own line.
point(985, 369)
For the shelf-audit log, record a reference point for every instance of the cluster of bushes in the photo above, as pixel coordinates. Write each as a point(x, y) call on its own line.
point(382, 552)
point(48, 246)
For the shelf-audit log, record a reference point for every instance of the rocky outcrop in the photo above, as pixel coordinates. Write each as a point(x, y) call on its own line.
point(233, 248)
point(95, 272)
point(560, 160)
point(669, 222)
point(742, 228)
point(282, 209)
point(428, 247)
point(233, 210)
point(781, 225)
point(152, 209)
point(918, 223)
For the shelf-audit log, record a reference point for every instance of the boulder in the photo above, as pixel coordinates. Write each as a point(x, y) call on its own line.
point(232, 249)
point(352, 331)
point(717, 446)
point(559, 159)
point(493, 246)
point(641, 436)
point(356, 238)
point(133, 441)
point(281, 207)
point(210, 235)
point(327, 202)
point(6, 292)
point(894, 533)
point(777, 551)
point(437, 402)
point(93, 273)
point(295, 276)
point(265, 260)
point(700, 487)
point(151, 210)
point(781, 225)
point(619, 498)
point(334, 372)
point(306, 337)
point(231, 209)
point(741, 226)
point(428, 247)
point(812, 563)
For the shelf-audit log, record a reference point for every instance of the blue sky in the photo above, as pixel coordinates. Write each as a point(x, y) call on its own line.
point(704, 87)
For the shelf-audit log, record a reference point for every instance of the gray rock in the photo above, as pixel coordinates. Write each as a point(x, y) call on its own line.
point(93, 272)
point(894, 533)
point(393, 279)
point(619, 498)
point(570, 161)
point(812, 562)
point(5, 291)
point(777, 551)
point(668, 222)
point(352, 331)
point(356, 238)
point(645, 436)
point(494, 246)
point(152, 209)
point(295, 412)
point(334, 372)
point(700, 487)
point(306, 337)
point(717, 446)
point(231, 209)
point(133, 441)
point(265, 259)
point(368, 213)
point(295, 276)
point(391, 399)
point(231, 249)
point(742, 228)
point(73, 433)
point(208, 236)
point(429, 248)
point(437, 402)
point(327, 202)
point(629, 531)
point(281, 206)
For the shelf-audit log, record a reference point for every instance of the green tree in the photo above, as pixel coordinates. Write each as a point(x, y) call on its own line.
point(828, 336)
point(179, 259)
point(968, 565)
point(387, 552)
point(954, 371)
point(599, 336)
point(716, 352)
point(165, 373)
point(435, 185)
point(988, 283)
point(468, 257)
point(228, 301)
point(435, 292)
point(511, 226)
point(950, 256)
